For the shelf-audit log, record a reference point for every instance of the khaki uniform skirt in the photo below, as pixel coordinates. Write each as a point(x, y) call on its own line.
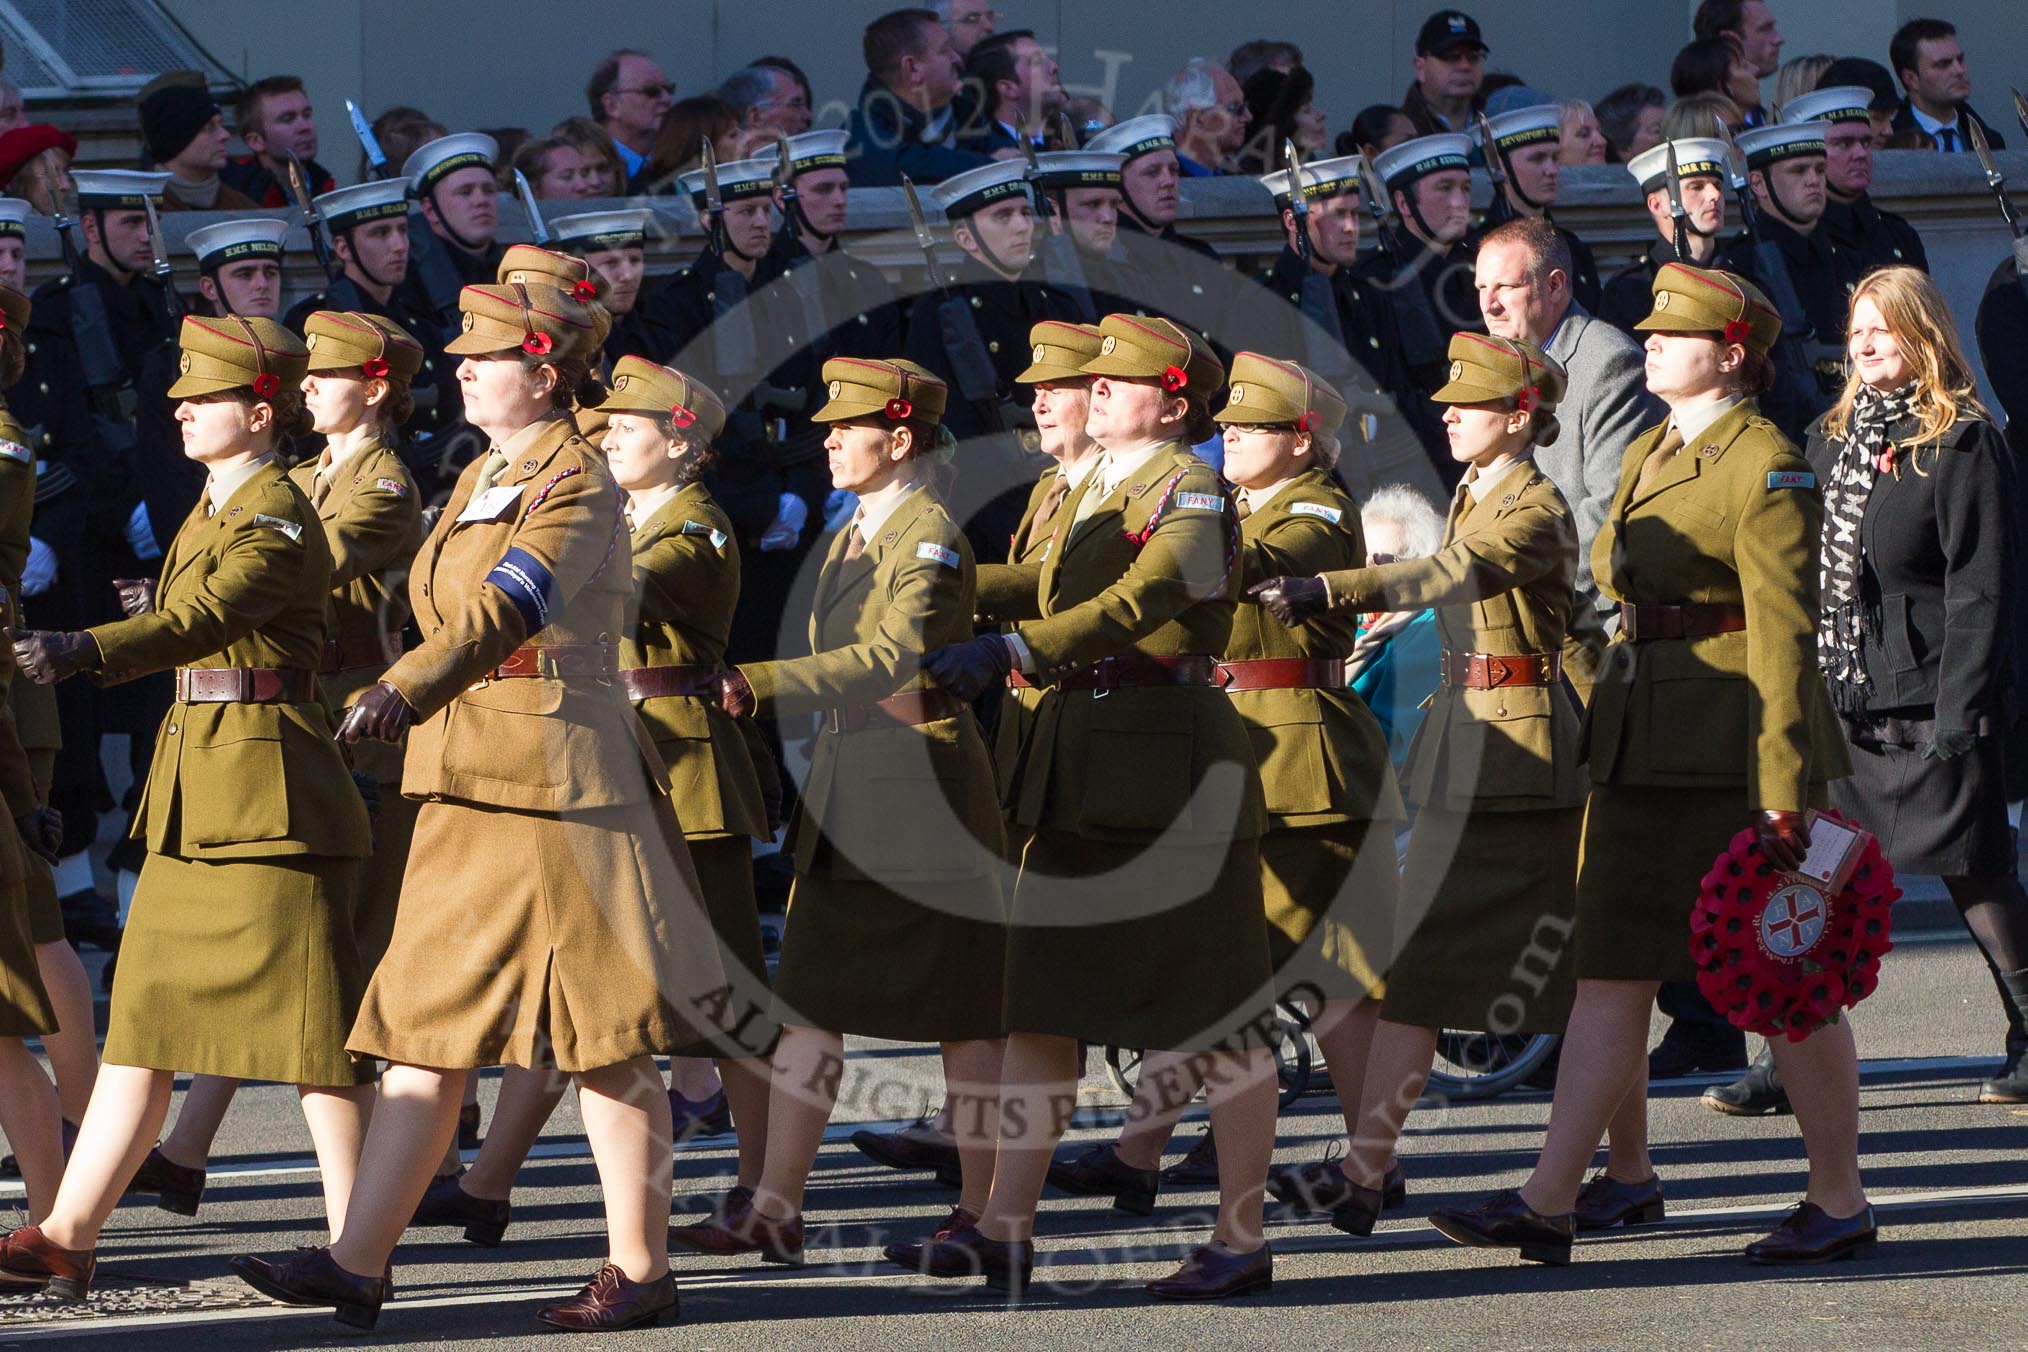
point(240, 967)
point(534, 938)
point(1331, 893)
point(1485, 926)
point(25, 1010)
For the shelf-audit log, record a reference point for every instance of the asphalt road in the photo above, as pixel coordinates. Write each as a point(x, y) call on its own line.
point(1950, 1179)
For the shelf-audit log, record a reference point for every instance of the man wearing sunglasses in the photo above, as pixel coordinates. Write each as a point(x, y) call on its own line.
point(1211, 117)
point(629, 96)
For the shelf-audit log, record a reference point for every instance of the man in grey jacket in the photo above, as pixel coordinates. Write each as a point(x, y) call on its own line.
point(1523, 276)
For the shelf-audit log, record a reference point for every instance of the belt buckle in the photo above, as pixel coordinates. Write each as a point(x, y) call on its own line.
point(1222, 676)
point(244, 678)
point(1499, 671)
point(1630, 624)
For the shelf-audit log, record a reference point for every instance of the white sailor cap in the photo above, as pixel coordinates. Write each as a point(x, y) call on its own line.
point(1321, 179)
point(1079, 168)
point(1523, 127)
point(1137, 136)
point(344, 208)
point(1764, 146)
point(429, 162)
point(1839, 103)
point(234, 241)
point(116, 187)
point(1402, 165)
point(816, 150)
point(962, 194)
point(593, 231)
point(13, 218)
point(737, 179)
point(1696, 157)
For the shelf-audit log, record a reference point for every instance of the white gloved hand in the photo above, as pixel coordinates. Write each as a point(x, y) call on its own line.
point(140, 535)
point(839, 507)
point(791, 515)
point(40, 570)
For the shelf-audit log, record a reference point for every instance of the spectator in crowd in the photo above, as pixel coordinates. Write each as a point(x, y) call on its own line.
point(904, 123)
point(1019, 84)
point(24, 151)
point(794, 72)
point(1211, 117)
point(399, 131)
point(1450, 68)
point(1393, 666)
point(1283, 108)
point(184, 133)
point(554, 168)
point(1699, 115)
point(1875, 79)
point(1088, 117)
point(630, 94)
point(1248, 59)
point(1378, 127)
point(768, 100)
point(679, 145)
point(1581, 140)
point(1752, 25)
point(1630, 118)
point(1496, 81)
point(1930, 63)
point(273, 116)
point(602, 162)
point(13, 108)
point(1717, 66)
point(969, 22)
point(1797, 77)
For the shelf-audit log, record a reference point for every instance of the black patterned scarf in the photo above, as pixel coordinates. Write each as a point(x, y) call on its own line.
point(1842, 622)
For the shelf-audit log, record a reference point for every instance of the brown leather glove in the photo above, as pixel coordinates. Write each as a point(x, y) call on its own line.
point(381, 715)
point(42, 832)
point(137, 595)
point(735, 696)
point(47, 656)
point(1784, 838)
point(1291, 600)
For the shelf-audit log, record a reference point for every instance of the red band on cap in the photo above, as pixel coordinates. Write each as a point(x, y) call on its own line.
point(584, 290)
point(1173, 378)
point(374, 368)
point(1736, 331)
point(899, 409)
point(266, 386)
point(536, 344)
point(681, 416)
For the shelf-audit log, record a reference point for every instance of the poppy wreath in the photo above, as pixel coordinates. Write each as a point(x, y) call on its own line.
point(1774, 955)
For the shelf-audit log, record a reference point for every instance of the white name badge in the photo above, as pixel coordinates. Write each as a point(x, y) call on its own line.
point(493, 504)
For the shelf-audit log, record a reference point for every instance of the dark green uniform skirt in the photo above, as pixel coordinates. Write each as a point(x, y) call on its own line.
point(25, 1010)
point(1135, 946)
point(1331, 893)
point(240, 967)
point(1488, 905)
point(45, 912)
point(393, 830)
point(725, 872)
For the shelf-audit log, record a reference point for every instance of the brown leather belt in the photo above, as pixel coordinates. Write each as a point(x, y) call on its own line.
point(692, 679)
point(361, 650)
point(1696, 620)
point(557, 660)
point(1490, 671)
point(906, 709)
point(245, 685)
point(1133, 670)
point(1282, 673)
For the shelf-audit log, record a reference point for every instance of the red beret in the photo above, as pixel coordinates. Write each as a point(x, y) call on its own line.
point(23, 144)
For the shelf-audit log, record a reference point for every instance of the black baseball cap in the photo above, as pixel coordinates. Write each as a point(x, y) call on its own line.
point(1448, 29)
point(1857, 70)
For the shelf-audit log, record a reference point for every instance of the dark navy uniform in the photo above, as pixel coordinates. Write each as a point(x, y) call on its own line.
point(1876, 238)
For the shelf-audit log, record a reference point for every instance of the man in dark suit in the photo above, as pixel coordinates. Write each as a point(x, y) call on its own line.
point(1017, 79)
point(905, 122)
point(629, 95)
point(1930, 64)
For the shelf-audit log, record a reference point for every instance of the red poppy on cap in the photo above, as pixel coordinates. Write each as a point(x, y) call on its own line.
point(1307, 423)
point(1173, 378)
point(1736, 331)
point(374, 367)
point(266, 385)
point(1525, 401)
point(584, 291)
point(536, 344)
point(899, 409)
point(3, 321)
point(681, 416)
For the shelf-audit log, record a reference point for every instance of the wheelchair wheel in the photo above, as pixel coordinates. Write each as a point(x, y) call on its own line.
point(1294, 1058)
point(1472, 1065)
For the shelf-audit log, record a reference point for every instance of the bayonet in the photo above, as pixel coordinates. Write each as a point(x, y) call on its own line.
point(1375, 193)
point(163, 272)
point(1066, 131)
point(1299, 204)
point(1998, 184)
point(924, 240)
point(1678, 216)
point(2020, 108)
point(1496, 158)
point(376, 158)
point(62, 208)
point(714, 204)
point(313, 223)
point(535, 226)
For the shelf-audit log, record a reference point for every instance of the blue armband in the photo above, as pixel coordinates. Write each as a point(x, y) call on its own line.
point(527, 584)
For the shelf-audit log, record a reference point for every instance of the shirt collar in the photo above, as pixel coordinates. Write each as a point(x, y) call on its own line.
point(223, 483)
point(1694, 422)
point(1082, 470)
point(1930, 124)
point(876, 508)
point(1119, 467)
point(1482, 485)
point(631, 158)
point(1257, 498)
point(641, 506)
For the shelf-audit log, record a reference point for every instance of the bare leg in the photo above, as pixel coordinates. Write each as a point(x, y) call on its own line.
point(33, 1122)
point(197, 1122)
point(1821, 1074)
point(1242, 1089)
point(1397, 1071)
point(73, 1050)
point(337, 1117)
point(1038, 1094)
point(972, 1080)
point(1602, 1056)
point(452, 1161)
point(120, 1124)
point(416, 1115)
point(626, 1119)
point(1168, 1082)
point(808, 1064)
point(527, 1098)
point(694, 1077)
point(746, 1093)
point(1627, 1134)
point(1344, 1030)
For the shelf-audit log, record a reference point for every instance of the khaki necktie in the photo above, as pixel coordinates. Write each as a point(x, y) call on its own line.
point(628, 512)
point(496, 460)
point(1658, 459)
point(1046, 512)
point(320, 482)
point(1245, 508)
point(855, 539)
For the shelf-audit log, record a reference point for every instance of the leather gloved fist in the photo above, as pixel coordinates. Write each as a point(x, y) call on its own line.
point(969, 669)
point(1784, 838)
point(42, 832)
point(1948, 744)
point(735, 696)
point(1291, 600)
point(48, 656)
point(381, 715)
point(137, 595)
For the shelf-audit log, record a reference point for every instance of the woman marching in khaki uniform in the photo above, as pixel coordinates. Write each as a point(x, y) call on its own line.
point(1143, 798)
point(1712, 715)
point(356, 394)
point(1489, 887)
point(243, 919)
point(895, 921)
point(544, 913)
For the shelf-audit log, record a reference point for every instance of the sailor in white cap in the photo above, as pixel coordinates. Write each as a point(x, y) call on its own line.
point(451, 181)
point(1150, 178)
point(1703, 167)
point(1526, 145)
point(615, 244)
point(239, 266)
point(847, 297)
point(1428, 184)
point(1851, 220)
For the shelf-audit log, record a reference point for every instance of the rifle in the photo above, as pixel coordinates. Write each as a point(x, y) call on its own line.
point(1318, 302)
point(1789, 355)
point(731, 322)
point(376, 158)
point(1977, 136)
point(161, 269)
point(1679, 217)
point(1059, 257)
point(971, 367)
point(109, 390)
point(312, 222)
point(1377, 206)
point(536, 228)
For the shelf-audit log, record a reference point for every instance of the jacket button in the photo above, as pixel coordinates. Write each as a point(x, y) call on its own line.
point(426, 589)
point(172, 729)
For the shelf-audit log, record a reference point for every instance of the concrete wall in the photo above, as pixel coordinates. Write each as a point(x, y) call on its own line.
point(524, 62)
